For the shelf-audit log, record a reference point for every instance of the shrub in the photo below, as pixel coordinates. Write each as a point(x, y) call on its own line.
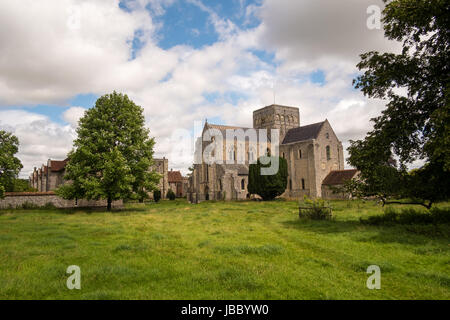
point(268, 187)
point(48, 205)
point(409, 216)
point(156, 195)
point(171, 194)
point(28, 205)
point(316, 209)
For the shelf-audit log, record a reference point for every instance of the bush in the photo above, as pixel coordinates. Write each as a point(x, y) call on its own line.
point(48, 205)
point(268, 187)
point(316, 209)
point(28, 205)
point(171, 194)
point(156, 195)
point(409, 216)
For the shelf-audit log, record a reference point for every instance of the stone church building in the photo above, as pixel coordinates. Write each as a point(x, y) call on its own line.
point(312, 152)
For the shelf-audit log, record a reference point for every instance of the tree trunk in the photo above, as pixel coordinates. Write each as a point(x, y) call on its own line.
point(109, 204)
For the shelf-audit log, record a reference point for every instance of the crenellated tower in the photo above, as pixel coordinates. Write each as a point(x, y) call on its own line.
point(276, 117)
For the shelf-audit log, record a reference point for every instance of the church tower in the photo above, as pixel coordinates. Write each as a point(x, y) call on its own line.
point(276, 117)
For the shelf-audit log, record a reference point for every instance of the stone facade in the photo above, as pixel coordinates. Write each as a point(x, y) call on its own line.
point(48, 177)
point(176, 183)
point(311, 151)
point(336, 179)
point(39, 199)
point(161, 166)
point(310, 161)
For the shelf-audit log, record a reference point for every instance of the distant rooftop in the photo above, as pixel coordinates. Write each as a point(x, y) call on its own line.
point(174, 176)
point(337, 177)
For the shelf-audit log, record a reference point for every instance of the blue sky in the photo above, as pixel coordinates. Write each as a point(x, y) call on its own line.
point(182, 23)
point(183, 61)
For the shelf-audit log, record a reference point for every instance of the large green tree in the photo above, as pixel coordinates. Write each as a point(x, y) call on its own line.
point(268, 187)
point(415, 125)
point(10, 165)
point(112, 154)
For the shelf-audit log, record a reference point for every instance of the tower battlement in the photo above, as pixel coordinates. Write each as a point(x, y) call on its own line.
point(276, 117)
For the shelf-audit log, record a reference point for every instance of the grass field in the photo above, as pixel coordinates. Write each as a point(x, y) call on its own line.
point(218, 250)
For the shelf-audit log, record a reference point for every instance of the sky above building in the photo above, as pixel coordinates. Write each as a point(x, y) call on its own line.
point(183, 61)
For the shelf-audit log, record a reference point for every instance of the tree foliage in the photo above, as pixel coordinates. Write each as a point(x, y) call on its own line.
point(157, 195)
point(171, 195)
point(268, 187)
point(112, 153)
point(415, 124)
point(10, 165)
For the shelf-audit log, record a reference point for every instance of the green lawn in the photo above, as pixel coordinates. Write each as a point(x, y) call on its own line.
point(218, 250)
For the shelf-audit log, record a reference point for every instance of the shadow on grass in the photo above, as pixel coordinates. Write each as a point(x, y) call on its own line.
point(404, 234)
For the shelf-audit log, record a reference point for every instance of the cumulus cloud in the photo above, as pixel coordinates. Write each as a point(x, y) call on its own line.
point(324, 34)
point(72, 115)
point(40, 139)
point(54, 50)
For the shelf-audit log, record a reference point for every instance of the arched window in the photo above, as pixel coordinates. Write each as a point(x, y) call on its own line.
point(290, 184)
point(251, 156)
point(243, 184)
point(328, 153)
point(299, 153)
point(327, 135)
point(303, 184)
point(283, 155)
point(268, 152)
point(277, 117)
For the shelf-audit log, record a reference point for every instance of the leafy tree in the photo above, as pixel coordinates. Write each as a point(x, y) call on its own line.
point(22, 185)
point(157, 195)
point(10, 165)
point(171, 195)
point(416, 122)
point(112, 153)
point(268, 187)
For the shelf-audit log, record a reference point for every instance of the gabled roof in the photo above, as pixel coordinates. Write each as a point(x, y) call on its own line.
point(303, 133)
point(58, 165)
point(174, 176)
point(336, 177)
point(223, 127)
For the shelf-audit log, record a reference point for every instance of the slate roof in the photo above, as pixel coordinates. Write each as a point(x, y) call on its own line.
point(174, 176)
point(303, 133)
point(337, 177)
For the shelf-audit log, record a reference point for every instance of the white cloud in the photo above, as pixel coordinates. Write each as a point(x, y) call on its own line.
point(39, 138)
point(53, 50)
point(72, 115)
point(325, 34)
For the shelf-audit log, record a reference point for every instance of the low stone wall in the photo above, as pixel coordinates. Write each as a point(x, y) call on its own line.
point(327, 193)
point(17, 199)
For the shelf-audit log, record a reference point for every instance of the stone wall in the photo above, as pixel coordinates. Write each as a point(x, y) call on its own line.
point(327, 193)
point(17, 199)
point(161, 166)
